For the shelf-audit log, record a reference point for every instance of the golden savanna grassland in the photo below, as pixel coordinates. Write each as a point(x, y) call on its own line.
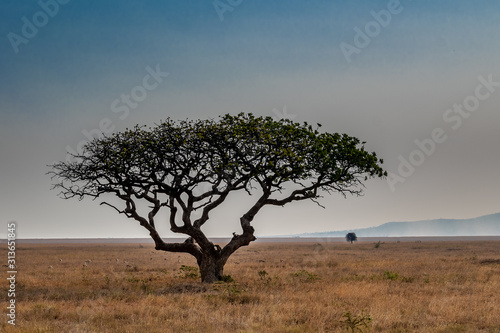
point(451, 286)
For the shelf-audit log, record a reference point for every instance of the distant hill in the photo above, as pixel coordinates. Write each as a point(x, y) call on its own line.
point(488, 225)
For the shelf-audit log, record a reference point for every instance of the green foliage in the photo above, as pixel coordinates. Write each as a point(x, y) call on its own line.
point(356, 323)
point(227, 278)
point(268, 280)
point(146, 286)
point(305, 275)
point(229, 288)
point(407, 279)
point(232, 292)
point(132, 279)
point(188, 272)
point(144, 283)
point(230, 153)
point(377, 245)
point(263, 275)
point(388, 275)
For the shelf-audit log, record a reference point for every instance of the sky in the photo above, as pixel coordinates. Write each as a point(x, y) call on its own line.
point(419, 81)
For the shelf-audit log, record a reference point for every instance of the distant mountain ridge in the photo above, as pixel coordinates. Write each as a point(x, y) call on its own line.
point(487, 225)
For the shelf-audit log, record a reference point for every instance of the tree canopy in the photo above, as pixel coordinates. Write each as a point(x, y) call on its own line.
point(351, 237)
point(189, 167)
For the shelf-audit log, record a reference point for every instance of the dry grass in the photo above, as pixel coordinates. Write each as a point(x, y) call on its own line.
point(280, 287)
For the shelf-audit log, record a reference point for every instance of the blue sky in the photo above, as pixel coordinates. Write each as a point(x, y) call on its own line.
point(262, 57)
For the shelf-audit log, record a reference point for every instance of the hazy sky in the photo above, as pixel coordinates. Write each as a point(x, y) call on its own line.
point(418, 80)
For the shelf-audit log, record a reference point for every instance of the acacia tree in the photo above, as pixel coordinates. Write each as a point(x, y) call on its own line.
point(351, 237)
point(190, 168)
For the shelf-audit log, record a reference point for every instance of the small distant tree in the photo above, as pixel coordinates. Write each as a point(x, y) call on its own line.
point(189, 168)
point(351, 237)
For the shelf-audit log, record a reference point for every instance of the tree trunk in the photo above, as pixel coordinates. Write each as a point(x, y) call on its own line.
point(211, 268)
point(212, 259)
